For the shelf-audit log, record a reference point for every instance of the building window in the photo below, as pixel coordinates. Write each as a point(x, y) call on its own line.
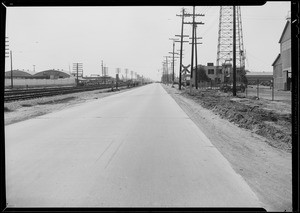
point(211, 71)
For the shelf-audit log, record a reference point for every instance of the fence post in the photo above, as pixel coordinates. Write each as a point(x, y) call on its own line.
point(273, 89)
point(257, 88)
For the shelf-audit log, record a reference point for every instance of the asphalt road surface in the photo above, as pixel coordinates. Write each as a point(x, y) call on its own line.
point(133, 149)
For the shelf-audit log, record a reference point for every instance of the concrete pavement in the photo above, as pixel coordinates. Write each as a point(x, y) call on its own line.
point(132, 149)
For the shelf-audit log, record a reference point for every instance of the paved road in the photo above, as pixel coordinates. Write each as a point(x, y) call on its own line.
point(136, 148)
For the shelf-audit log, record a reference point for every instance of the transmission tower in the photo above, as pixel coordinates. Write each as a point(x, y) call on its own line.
point(225, 39)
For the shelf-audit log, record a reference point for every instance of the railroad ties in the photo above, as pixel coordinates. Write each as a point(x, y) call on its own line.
point(22, 94)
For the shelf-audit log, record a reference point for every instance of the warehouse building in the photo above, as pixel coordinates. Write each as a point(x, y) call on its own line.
point(253, 77)
point(18, 74)
point(51, 74)
point(221, 74)
point(214, 72)
point(282, 65)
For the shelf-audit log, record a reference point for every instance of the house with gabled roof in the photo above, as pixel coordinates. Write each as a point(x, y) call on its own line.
point(282, 68)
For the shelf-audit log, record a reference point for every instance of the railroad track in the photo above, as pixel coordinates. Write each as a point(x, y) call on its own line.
point(15, 95)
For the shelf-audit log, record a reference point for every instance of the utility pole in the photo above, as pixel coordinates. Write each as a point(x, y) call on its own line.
point(163, 73)
point(126, 72)
point(104, 72)
point(181, 46)
point(173, 53)
point(167, 73)
point(193, 40)
point(196, 56)
point(11, 73)
point(102, 68)
point(167, 70)
point(192, 61)
point(77, 67)
point(181, 56)
point(118, 70)
point(77, 74)
point(234, 54)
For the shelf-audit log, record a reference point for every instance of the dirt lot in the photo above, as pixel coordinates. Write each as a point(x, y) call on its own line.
point(253, 135)
point(271, 119)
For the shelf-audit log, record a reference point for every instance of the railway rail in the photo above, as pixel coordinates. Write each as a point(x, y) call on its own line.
point(15, 95)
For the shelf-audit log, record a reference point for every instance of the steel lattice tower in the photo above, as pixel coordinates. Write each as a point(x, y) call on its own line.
point(225, 39)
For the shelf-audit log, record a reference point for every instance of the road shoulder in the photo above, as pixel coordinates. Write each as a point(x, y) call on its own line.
point(267, 170)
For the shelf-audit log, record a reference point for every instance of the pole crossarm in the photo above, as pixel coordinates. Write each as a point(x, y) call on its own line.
point(193, 22)
point(190, 14)
point(174, 39)
point(182, 35)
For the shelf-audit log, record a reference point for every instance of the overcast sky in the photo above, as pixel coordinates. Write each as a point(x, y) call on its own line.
point(136, 38)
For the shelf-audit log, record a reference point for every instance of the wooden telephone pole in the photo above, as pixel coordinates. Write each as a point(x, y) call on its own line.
point(167, 70)
point(196, 56)
point(234, 55)
point(193, 41)
point(77, 67)
point(181, 45)
point(11, 73)
point(173, 53)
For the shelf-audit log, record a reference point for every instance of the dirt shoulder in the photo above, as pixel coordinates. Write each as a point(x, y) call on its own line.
point(262, 160)
point(25, 109)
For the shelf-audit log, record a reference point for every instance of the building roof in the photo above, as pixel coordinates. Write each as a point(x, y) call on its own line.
point(276, 59)
point(48, 72)
point(259, 73)
point(18, 73)
point(284, 30)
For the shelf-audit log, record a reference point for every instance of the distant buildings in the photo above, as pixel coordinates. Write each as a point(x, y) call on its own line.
point(214, 72)
point(253, 77)
point(51, 74)
point(18, 74)
point(220, 74)
point(282, 65)
point(46, 74)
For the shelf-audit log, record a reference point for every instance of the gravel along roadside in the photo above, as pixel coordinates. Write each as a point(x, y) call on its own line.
point(264, 162)
point(25, 109)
